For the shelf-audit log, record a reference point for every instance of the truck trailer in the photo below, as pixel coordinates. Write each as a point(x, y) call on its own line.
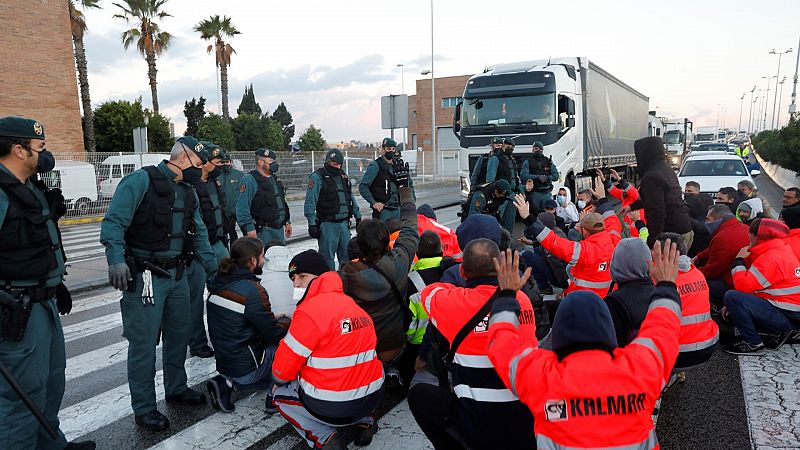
point(585, 117)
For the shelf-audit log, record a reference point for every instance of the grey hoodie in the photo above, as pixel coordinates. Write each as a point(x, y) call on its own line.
point(630, 261)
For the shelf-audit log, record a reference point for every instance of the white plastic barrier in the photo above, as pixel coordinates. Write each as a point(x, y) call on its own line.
point(784, 178)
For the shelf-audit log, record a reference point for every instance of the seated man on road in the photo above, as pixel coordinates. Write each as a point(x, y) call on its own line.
point(749, 210)
point(791, 198)
point(747, 190)
point(242, 327)
point(589, 259)
point(767, 295)
point(565, 208)
point(728, 196)
point(699, 333)
point(728, 236)
point(698, 204)
point(632, 286)
point(426, 220)
point(548, 271)
point(791, 217)
point(327, 374)
point(587, 392)
point(471, 415)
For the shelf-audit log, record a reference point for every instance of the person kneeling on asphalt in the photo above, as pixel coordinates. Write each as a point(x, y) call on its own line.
point(587, 392)
point(243, 329)
point(329, 378)
point(767, 295)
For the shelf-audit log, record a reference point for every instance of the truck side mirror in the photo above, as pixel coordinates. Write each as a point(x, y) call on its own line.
point(570, 122)
point(457, 120)
point(571, 108)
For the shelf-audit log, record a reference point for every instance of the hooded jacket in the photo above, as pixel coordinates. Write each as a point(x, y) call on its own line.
point(374, 293)
point(755, 207)
point(726, 241)
point(659, 189)
point(698, 205)
point(628, 302)
point(570, 212)
point(241, 323)
point(276, 281)
point(614, 409)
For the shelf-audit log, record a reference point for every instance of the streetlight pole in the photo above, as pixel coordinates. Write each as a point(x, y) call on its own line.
point(750, 114)
point(433, 108)
point(403, 91)
point(777, 77)
point(793, 106)
point(753, 123)
point(766, 99)
point(778, 123)
point(741, 103)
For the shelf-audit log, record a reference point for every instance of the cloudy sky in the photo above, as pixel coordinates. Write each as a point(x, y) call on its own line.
point(331, 61)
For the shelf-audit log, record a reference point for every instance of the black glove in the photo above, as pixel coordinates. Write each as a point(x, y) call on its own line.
point(63, 299)
point(313, 231)
point(607, 184)
point(622, 184)
point(639, 224)
point(506, 301)
point(119, 275)
point(401, 174)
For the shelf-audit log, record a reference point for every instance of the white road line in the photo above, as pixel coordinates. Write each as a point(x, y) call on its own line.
point(80, 236)
point(92, 326)
point(75, 255)
point(89, 244)
point(95, 301)
point(96, 412)
point(237, 430)
point(95, 360)
point(771, 385)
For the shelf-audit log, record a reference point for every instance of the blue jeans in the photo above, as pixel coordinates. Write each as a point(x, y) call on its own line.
point(752, 315)
point(259, 379)
point(716, 291)
point(542, 273)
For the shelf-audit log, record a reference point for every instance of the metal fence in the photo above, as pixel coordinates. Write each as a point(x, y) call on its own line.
point(88, 180)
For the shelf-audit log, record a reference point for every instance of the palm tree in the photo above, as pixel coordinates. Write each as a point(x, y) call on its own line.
point(216, 28)
point(147, 35)
point(78, 24)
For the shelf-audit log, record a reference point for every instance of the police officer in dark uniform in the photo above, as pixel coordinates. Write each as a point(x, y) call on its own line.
point(503, 166)
point(261, 209)
point(543, 173)
point(230, 181)
point(378, 185)
point(211, 204)
point(478, 175)
point(31, 290)
point(329, 206)
point(490, 198)
point(152, 231)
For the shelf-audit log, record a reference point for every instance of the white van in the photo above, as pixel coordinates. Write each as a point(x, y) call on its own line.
point(76, 179)
point(113, 168)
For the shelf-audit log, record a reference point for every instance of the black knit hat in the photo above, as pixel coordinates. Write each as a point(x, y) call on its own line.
point(309, 261)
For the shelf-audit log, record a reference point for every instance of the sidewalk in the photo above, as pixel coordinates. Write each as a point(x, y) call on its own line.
point(93, 273)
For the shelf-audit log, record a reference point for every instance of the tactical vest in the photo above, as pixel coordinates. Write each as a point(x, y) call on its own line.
point(541, 166)
point(507, 169)
point(381, 187)
point(208, 210)
point(264, 208)
point(484, 162)
point(328, 204)
point(151, 227)
point(27, 251)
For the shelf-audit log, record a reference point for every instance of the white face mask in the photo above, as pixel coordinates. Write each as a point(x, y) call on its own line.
point(298, 294)
point(581, 204)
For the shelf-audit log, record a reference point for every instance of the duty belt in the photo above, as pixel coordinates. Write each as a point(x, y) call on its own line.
point(168, 263)
point(330, 220)
point(36, 294)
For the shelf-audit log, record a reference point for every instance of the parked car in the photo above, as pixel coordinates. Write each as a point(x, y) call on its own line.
point(713, 147)
point(114, 168)
point(714, 170)
point(76, 179)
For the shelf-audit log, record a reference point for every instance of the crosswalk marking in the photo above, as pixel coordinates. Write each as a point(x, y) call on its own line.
point(92, 326)
point(99, 359)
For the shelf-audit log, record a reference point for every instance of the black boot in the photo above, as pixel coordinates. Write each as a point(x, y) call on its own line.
point(153, 421)
point(85, 445)
point(202, 352)
point(187, 397)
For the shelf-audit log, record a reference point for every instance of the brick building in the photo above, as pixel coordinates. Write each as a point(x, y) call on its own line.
point(448, 94)
point(39, 78)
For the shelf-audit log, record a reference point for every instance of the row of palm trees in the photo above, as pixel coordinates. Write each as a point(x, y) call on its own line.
point(151, 42)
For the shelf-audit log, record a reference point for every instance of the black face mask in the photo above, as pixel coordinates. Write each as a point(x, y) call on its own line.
point(509, 151)
point(46, 162)
point(538, 153)
point(215, 173)
point(225, 169)
point(333, 170)
point(192, 174)
point(273, 168)
point(389, 155)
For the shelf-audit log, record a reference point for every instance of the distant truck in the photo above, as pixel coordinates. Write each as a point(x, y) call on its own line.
point(706, 135)
point(655, 127)
point(585, 117)
point(678, 138)
point(76, 179)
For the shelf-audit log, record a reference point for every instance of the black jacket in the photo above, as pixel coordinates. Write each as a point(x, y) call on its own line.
point(698, 205)
point(660, 193)
point(628, 307)
point(240, 322)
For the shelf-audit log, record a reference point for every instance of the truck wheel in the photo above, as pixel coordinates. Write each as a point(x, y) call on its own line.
point(81, 207)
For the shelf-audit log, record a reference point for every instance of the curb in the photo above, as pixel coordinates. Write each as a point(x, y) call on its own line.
point(81, 221)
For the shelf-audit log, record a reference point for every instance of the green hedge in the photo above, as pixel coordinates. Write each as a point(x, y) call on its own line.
point(781, 147)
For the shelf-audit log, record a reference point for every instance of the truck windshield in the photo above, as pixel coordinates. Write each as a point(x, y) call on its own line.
point(706, 137)
point(538, 108)
point(673, 137)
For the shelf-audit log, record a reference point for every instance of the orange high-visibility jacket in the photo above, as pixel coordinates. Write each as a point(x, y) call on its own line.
point(698, 330)
point(591, 399)
point(773, 276)
point(330, 346)
point(794, 241)
point(448, 236)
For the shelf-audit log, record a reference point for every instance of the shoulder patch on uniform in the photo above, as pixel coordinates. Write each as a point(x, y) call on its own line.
point(242, 188)
point(310, 183)
point(478, 203)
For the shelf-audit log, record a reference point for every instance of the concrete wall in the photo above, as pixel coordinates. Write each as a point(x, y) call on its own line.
point(38, 77)
point(782, 177)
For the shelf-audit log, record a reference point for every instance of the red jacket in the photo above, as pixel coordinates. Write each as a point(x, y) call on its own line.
point(726, 241)
point(626, 197)
point(794, 241)
point(330, 346)
point(485, 405)
point(773, 276)
point(591, 399)
point(448, 236)
point(698, 329)
point(590, 258)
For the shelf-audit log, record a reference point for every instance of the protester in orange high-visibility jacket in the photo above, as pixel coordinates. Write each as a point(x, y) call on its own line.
point(766, 298)
point(426, 220)
point(699, 333)
point(587, 393)
point(589, 259)
point(326, 368)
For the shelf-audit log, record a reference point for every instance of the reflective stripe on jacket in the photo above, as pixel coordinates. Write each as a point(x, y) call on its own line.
point(698, 330)
point(773, 276)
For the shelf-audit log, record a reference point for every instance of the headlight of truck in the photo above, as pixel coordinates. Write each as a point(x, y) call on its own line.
point(676, 159)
